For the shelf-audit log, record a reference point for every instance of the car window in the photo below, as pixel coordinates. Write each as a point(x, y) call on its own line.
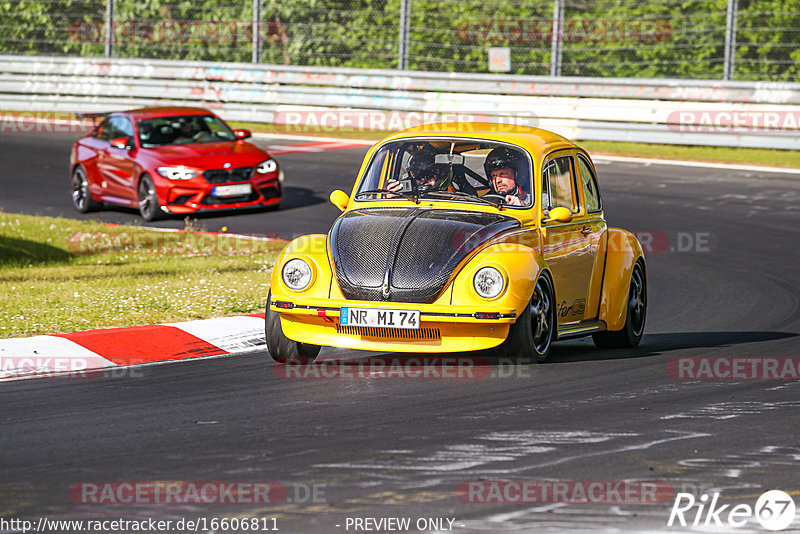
point(122, 126)
point(181, 130)
point(106, 130)
point(590, 192)
point(557, 184)
point(449, 169)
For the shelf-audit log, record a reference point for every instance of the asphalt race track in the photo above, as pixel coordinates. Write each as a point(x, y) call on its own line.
point(723, 281)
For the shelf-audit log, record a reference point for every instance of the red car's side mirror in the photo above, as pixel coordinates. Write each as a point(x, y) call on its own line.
point(124, 143)
point(242, 133)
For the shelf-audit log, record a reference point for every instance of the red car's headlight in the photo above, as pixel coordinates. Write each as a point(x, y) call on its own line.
point(176, 173)
point(267, 166)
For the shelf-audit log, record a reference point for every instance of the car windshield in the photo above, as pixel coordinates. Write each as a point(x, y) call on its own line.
point(180, 130)
point(477, 171)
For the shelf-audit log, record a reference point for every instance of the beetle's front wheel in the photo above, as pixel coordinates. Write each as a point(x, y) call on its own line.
point(281, 348)
point(631, 333)
point(531, 337)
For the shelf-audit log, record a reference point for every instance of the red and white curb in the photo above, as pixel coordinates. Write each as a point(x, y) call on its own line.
point(71, 355)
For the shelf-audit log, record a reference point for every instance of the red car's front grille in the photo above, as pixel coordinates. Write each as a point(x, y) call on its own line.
point(181, 199)
point(210, 200)
point(221, 176)
point(269, 193)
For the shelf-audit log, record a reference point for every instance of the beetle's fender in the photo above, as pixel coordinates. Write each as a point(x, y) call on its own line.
point(520, 266)
point(314, 250)
point(622, 253)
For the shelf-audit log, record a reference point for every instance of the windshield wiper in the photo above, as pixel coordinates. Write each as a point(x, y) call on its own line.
point(467, 196)
point(412, 198)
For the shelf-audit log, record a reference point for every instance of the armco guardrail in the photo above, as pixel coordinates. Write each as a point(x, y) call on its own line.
point(735, 114)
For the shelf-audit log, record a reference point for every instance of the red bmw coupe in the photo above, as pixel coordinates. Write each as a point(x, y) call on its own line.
point(171, 160)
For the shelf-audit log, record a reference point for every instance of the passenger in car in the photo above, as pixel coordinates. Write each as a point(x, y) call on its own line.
point(422, 174)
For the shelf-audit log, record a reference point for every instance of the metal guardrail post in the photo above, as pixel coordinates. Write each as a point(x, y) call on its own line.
point(730, 39)
point(109, 51)
point(405, 21)
point(256, 27)
point(555, 50)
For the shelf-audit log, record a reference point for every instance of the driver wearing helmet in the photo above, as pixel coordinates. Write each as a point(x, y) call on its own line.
point(504, 168)
point(423, 173)
point(186, 130)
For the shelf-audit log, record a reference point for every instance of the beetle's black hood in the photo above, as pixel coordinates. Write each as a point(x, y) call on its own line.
point(407, 255)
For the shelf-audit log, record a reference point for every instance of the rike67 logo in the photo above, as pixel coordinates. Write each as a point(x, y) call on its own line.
point(774, 510)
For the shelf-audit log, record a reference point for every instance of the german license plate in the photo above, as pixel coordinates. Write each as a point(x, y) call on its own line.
point(379, 318)
point(232, 190)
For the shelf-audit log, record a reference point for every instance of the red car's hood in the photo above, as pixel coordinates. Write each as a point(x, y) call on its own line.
point(207, 155)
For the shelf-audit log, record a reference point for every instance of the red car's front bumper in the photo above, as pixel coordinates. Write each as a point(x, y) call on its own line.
point(195, 196)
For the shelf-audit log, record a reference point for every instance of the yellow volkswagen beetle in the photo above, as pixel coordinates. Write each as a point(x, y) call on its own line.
point(461, 237)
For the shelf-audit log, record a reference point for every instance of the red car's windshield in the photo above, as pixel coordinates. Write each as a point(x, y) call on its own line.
point(181, 130)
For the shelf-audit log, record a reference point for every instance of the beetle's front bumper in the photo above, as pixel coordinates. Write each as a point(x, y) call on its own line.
point(441, 329)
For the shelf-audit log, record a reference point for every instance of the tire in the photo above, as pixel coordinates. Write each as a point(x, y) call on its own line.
point(631, 333)
point(281, 348)
point(531, 337)
point(81, 194)
point(149, 208)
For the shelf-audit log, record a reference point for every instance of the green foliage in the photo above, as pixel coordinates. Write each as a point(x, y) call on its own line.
point(604, 38)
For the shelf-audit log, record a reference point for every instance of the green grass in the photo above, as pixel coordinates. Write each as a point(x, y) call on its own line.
point(62, 275)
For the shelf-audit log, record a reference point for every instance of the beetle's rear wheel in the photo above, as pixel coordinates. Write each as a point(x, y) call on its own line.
point(281, 348)
point(631, 333)
point(532, 335)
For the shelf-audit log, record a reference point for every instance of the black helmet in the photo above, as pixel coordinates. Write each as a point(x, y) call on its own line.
point(501, 157)
point(422, 167)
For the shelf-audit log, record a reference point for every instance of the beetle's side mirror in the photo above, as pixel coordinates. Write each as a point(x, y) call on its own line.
point(339, 199)
point(123, 143)
point(559, 214)
point(242, 133)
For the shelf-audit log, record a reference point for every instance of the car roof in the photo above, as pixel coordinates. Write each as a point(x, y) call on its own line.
point(535, 140)
point(165, 111)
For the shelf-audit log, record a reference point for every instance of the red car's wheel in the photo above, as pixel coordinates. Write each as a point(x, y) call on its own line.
point(81, 195)
point(148, 199)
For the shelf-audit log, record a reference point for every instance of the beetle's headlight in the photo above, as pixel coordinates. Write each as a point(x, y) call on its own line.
point(176, 173)
point(297, 274)
point(488, 282)
point(267, 166)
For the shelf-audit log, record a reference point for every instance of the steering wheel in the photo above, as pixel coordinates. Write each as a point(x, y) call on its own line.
point(494, 196)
